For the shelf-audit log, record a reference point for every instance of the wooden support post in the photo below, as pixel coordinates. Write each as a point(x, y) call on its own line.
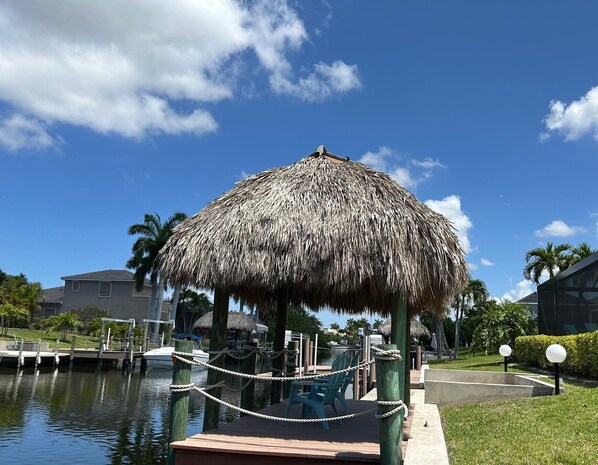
point(418, 357)
point(144, 341)
point(356, 385)
point(179, 401)
point(391, 428)
point(20, 358)
point(248, 367)
point(407, 359)
point(73, 343)
point(56, 356)
point(217, 343)
point(291, 366)
point(279, 332)
point(398, 329)
point(38, 358)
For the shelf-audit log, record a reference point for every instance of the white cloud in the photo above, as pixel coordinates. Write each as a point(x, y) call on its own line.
point(450, 207)
point(558, 228)
point(597, 229)
point(387, 160)
point(139, 68)
point(472, 266)
point(575, 120)
point(486, 262)
point(17, 132)
point(522, 289)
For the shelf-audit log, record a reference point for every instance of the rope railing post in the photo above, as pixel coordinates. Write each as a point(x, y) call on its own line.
point(179, 399)
point(248, 366)
point(391, 427)
point(291, 366)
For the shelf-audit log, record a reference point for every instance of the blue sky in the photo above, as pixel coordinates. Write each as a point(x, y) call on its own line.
point(486, 111)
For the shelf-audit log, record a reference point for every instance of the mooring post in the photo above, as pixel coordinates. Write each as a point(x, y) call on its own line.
point(290, 367)
point(72, 355)
point(391, 428)
point(248, 367)
point(399, 329)
point(179, 400)
point(38, 357)
point(20, 358)
point(56, 356)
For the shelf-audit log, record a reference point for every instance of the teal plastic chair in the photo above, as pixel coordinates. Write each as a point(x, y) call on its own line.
point(348, 379)
point(321, 393)
point(570, 329)
point(591, 327)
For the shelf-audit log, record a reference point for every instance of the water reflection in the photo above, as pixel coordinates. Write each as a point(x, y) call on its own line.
point(84, 416)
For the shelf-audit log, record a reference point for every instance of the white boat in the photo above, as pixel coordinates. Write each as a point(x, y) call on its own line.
point(162, 358)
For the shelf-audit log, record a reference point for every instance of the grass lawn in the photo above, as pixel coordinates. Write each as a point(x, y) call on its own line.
point(34, 334)
point(541, 430)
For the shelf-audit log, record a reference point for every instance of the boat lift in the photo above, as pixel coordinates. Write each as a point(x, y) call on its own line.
point(105, 344)
point(146, 323)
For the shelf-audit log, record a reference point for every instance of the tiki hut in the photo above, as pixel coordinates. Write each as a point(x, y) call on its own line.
point(324, 232)
point(237, 321)
point(327, 231)
point(416, 329)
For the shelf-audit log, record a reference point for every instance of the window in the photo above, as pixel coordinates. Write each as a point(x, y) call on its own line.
point(105, 289)
point(75, 287)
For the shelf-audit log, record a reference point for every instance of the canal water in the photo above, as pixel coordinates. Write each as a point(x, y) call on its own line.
point(84, 416)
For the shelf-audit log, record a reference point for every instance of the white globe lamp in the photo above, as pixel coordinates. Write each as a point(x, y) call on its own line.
point(556, 354)
point(505, 351)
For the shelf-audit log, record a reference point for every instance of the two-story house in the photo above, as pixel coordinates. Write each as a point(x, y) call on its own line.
point(112, 290)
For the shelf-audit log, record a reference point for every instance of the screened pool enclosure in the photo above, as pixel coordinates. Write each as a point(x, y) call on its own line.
point(568, 303)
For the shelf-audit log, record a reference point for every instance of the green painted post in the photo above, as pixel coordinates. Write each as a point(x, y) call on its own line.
point(248, 367)
point(398, 330)
point(290, 367)
point(391, 428)
point(217, 343)
point(179, 401)
point(281, 325)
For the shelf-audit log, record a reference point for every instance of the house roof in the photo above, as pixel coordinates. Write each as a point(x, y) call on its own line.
point(530, 299)
point(104, 275)
point(53, 295)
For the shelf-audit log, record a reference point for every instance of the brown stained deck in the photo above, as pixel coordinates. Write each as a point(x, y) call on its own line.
point(250, 440)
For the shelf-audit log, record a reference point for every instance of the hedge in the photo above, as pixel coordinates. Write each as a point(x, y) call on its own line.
point(582, 352)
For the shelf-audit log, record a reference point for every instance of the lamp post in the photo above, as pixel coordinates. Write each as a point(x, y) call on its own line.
point(556, 354)
point(505, 351)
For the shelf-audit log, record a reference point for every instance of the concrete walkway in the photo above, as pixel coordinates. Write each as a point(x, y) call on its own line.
point(426, 444)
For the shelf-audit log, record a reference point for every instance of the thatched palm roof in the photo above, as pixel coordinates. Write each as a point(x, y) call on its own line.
point(416, 329)
point(236, 320)
point(333, 232)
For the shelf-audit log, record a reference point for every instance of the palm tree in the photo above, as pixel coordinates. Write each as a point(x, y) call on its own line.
point(153, 235)
point(552, 259)
point(63, 322)
point(579, 253)
point(472, 296)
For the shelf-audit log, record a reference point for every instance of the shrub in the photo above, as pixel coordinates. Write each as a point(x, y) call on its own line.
point(582, 352)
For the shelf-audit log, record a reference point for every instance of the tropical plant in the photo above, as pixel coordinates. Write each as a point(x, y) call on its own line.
point(473, 296)
point(152, 236)
point(63, 322)
point(500, 324)
point(552, 259)
point(19, 298)
point(191, 306)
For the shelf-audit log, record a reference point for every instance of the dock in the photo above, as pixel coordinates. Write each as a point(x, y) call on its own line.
point(250, 440)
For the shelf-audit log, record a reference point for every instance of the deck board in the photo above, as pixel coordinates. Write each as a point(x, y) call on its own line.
point(251, 440)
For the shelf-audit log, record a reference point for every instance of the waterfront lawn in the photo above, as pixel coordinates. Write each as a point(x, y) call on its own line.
point(34, 334)
point(468, 361)
point(540, 430)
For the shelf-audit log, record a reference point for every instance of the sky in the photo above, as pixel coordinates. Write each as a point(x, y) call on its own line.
point(486, 111)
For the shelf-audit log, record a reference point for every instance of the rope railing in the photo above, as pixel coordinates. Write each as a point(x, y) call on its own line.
point(378, 354)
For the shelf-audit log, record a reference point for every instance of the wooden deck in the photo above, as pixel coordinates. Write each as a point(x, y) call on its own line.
point(250, 440)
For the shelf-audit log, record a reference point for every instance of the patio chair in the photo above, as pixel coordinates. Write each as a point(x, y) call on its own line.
point(321, 393)
point(349, 377)
point(570, 329)
point(591, 327)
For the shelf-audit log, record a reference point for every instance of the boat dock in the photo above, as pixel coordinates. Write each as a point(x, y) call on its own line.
point(250, 440)
point(47, 358)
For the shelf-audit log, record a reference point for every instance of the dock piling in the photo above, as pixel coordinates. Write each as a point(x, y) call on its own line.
point(291, 366)
point(179, 400)
point(391, 428)
point(248, 367)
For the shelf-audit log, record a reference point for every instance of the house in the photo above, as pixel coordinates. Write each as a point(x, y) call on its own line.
point(568, 303)
point(112, 290)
